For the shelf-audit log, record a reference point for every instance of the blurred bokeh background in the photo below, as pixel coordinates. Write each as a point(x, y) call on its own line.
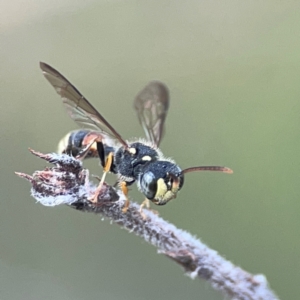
point(233, 70)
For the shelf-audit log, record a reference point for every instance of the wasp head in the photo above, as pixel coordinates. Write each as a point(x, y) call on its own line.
point(160, 181)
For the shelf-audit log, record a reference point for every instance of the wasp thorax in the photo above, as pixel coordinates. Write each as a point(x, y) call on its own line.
point(131, 161)
point(160, 181)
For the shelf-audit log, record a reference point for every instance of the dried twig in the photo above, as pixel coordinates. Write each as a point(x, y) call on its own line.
point(68, 183)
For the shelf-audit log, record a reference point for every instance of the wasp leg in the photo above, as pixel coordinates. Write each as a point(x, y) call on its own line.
point(124, 188)
point(116, 184)
point(106, 169)
point(82, 154)
point(97, 177)
point(146, 203)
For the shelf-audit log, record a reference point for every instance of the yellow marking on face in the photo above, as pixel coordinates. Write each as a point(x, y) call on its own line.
point(163, 194)
point(169, 196)
point(132, 151)
point(146, 158)
point(175, 188)
point(161, 189)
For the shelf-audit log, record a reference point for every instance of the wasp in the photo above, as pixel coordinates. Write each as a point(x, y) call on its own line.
point(141, 161)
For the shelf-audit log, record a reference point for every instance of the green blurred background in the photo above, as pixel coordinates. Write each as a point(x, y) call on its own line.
point(233, 70)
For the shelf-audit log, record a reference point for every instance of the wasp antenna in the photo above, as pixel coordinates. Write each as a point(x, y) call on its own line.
point(207, 168)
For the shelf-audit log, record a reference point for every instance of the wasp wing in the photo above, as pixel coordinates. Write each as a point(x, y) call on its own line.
point(79, 108)
point(152, 104)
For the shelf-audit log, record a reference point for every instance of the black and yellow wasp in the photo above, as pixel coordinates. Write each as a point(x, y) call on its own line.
point(157, 177)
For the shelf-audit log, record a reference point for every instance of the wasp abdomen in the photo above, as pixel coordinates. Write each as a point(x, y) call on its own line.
point(71, 143)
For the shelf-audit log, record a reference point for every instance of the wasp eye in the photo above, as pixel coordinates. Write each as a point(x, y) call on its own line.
point(148, 185)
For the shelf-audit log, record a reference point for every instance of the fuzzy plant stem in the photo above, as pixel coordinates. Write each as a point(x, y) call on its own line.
point(68, 183)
